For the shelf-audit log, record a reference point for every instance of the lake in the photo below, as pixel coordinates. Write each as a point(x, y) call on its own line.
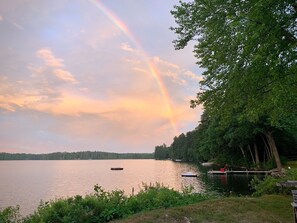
point(25, 183)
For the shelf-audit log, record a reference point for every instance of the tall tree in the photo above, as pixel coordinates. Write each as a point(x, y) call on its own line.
point(249, 51)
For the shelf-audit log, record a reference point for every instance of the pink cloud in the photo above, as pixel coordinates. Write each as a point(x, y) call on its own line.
point(127, 47)
point(193, 75)
point(65, 76)
point(158, 60)
point(49, 58)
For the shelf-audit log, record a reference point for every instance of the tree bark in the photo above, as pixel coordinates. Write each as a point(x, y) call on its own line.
point(274, 150)
point(256, 155)
point(268, 151)
point(242, 151)
point(251, 154)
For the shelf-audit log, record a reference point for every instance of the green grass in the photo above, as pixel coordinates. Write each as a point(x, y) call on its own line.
point(291, 164)
point(268, 208)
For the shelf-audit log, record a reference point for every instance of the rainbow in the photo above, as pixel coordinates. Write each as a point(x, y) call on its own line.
point(123, 27)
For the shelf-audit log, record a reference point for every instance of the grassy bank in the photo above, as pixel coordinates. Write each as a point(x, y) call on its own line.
point(268, 208)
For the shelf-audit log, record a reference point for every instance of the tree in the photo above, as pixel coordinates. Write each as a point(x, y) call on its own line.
point(249, 51)
point(179, 148)
point(162, 152)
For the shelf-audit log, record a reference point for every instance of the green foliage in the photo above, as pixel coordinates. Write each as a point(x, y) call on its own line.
point(291, 174)
point(248, 56)
point(292, 164)
point(103, 206)
point(184, 147)
point(250, 71)
point(153, 197)
point(269, 164)
point(10, 215)
point(234, 144)
point(269, 184)
point(266, 186)
point(162, 152)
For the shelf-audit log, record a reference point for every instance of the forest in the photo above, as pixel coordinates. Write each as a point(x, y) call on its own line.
point(249, 86)
point(85, 155)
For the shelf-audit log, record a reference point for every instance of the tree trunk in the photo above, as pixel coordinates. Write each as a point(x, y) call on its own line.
point(268, 151)
point(251, 154)
point(256, 155)
point(242, 151)
point(274, 150)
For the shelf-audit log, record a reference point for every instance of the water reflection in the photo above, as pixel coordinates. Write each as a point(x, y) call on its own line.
point(238, 184)
point(27, 182)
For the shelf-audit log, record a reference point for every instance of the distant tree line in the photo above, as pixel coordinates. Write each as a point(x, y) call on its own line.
point(84, 155)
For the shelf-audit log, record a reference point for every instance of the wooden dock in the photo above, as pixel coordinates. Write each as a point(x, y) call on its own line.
point(189, 174)
point(239, 172)
point(288, 183)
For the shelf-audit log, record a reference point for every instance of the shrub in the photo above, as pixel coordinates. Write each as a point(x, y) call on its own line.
point(102, 206)
point(265, 186)
point(10, 215)
point(269, 184)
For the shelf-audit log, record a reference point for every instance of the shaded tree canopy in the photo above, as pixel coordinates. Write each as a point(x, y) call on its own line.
point(249, 52)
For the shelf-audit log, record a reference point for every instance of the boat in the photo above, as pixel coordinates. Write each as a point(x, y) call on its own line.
point(189, 174)
point(116, 168)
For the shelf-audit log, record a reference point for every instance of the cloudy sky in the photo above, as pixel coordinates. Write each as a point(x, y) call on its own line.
point(92, 75)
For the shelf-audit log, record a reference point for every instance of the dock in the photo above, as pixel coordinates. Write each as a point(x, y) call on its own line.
point(288, 183)
point(207, 163)
point(239, 172)
point(189, 174)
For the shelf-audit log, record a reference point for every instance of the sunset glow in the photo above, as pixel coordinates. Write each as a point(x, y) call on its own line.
point(92, 75)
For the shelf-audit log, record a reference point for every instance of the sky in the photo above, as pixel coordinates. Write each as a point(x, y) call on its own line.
point(79, 75)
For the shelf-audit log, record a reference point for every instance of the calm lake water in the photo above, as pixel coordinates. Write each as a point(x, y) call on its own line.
point(25, 183)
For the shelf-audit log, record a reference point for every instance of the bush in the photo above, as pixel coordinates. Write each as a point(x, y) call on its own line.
point(265, 186)
point(10, 215)
point(269, 184)
point(102, 206)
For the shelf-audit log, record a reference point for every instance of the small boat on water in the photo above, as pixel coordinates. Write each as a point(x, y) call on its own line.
point(116, 168)
point(189, 174)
